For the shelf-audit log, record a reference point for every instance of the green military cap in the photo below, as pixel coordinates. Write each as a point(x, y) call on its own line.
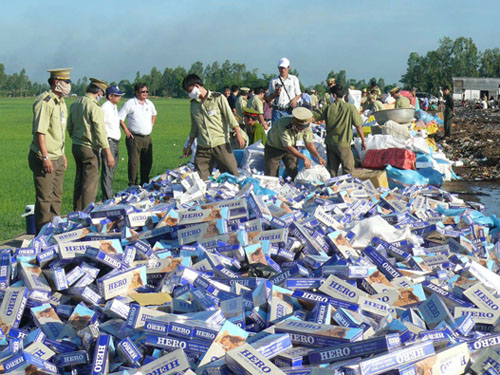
point(244, 90)
point(99, 83)
point(62, 73)
point(330, 80)
point(302, 116)
point(251, 112)
point(395, 90)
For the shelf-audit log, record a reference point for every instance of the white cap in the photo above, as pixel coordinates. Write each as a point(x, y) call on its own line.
point(284, 63)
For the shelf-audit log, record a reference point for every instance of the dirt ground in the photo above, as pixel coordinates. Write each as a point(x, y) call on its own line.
point(475, 142)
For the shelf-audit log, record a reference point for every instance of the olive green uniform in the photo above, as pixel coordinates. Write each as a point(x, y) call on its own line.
point(256, 103)
point(402, 102)
point(281, 135)
point(87, 129)
point(378, 106)
point(314, 101)
point(377, 89)
point(339, 118)
point(241, 102)
point(212, 120)
point(49, 118)
point(326, 99)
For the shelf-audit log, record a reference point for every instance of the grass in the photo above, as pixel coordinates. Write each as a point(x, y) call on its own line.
point(16, 179)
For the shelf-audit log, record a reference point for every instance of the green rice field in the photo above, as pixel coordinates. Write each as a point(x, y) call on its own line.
point(16, 179)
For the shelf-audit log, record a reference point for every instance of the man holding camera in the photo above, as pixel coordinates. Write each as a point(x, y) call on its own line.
point(284, 90)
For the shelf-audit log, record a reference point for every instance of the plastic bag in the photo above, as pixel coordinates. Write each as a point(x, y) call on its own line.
point(399, 131)
point(316, 173)
point(253, 157)
point(406, 178)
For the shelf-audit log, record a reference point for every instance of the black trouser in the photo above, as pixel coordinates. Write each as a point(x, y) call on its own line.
point(107, 173)
point(140, 150)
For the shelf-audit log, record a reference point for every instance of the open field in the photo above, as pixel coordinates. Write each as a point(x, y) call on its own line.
point(16, 179)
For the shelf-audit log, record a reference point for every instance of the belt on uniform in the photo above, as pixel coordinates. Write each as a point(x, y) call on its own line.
point(283, 109)
point(114, 140)
point(208, 148)
point(140, 135)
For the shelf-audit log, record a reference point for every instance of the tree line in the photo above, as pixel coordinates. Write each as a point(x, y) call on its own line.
point(459, 57)
point(453, 58)
point(168, 83)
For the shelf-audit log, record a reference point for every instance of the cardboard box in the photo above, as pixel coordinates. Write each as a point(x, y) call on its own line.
point(378, 178)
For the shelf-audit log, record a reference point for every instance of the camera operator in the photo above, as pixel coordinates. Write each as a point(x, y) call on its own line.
point(284, 90)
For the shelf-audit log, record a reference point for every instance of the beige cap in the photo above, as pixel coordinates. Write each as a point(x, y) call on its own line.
point(244, 90)
point(330, 80)
point(395, 90)
point(302, 115)
point(62, 73)
point(99, 83)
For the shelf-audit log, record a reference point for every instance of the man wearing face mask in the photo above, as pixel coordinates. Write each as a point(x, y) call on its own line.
point(87, 129)
point(141, 115)
point(339, 117)
point(46, 158)
point(212, 122)
point(281, 143)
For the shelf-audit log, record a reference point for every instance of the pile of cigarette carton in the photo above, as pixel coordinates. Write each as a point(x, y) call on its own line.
point(256, 275)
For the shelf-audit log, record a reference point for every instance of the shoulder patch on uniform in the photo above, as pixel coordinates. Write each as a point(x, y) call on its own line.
point(47, 98)
point(216, 94)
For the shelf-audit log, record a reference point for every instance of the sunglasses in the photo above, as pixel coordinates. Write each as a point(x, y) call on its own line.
point(144, 91)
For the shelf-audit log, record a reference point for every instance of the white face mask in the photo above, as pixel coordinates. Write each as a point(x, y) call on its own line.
point(194, 93)
point(332, 98)
point(63, 87)
point(98, 98)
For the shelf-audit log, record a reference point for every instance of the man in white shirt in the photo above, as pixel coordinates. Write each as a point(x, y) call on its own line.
point(110, 109)
point(141, 114)
point(284, 90)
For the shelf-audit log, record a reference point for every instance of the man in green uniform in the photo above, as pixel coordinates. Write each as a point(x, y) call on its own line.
point(314, 100)
point(211, 123)
point(87, 129)
point(241, 102)
point(253, 127)
point(46, 158)
point(449, 111)
point(401, 101)
point(375, 104)
point(374, 87)
point(282, 140)
point(330, 82)
point(339, 117)
point(257, 102)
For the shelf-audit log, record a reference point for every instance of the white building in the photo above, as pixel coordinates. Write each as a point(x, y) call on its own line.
point(475, 88)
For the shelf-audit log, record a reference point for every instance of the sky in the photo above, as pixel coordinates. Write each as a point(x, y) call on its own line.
point(112, 40)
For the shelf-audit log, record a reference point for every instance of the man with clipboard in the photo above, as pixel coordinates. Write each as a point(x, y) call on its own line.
point(284, 90)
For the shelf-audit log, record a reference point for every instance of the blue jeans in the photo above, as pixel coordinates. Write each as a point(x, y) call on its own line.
point(278, 114)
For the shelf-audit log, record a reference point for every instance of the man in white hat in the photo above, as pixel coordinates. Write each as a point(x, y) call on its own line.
point(284, 90)
point(281, 143)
